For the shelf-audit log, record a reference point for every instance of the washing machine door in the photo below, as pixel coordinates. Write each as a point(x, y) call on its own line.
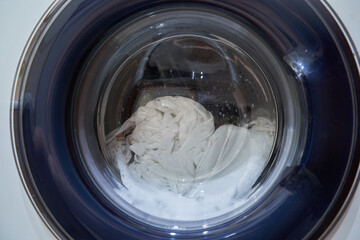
point(188, 119)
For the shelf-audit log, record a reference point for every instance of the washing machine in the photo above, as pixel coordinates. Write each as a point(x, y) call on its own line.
point(195, 119)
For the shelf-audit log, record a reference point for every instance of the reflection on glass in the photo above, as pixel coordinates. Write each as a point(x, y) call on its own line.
point(199, 129)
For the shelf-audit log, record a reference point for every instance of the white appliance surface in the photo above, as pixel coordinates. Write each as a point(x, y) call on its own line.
point(18, 218)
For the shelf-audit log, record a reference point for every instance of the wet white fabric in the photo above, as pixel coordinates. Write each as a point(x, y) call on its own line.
point(227, 191)
point(174, 144)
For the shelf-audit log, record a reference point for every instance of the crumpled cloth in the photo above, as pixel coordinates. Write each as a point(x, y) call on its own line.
point(173, 143)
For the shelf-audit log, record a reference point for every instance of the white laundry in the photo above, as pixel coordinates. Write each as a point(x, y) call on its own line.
point(175, 143)
point(171, 147)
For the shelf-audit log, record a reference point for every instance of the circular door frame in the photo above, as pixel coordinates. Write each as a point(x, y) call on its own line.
point(32, 133)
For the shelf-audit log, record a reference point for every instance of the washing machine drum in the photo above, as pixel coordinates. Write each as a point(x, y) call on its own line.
point(188, 119)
